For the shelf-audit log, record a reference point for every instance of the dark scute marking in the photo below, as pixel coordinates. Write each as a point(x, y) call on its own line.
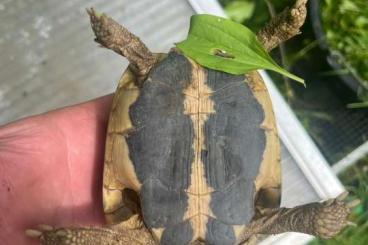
point(235, 204)
point(234, 146)
point(175, 70)
point(160, 147)
point(179, 234)
point(162, 206)
point(217, 80)
point(219, 233)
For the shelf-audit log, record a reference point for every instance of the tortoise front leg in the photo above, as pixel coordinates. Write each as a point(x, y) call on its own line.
point(322, 219)
point(283, 26)
point(89, 235)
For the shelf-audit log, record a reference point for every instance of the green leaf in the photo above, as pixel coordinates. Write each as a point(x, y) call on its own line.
point(224, 45)
point(358, 105)
point(240, 11)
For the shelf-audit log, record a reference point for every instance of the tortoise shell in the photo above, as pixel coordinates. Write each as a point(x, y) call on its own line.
point(193, 151)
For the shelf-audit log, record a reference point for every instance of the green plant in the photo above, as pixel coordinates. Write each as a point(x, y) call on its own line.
point(222, 44)
point(252, 13)
point(345, 23)
point(240, 10)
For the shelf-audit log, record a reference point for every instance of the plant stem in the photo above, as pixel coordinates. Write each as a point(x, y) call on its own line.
point(289, 90)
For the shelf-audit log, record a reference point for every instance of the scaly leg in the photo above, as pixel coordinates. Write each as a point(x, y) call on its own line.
point(112, 35)
point(89, 236)
point(322, 219)
point(283, 26)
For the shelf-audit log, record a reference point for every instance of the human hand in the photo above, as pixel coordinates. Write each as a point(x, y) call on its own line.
point(51, 169)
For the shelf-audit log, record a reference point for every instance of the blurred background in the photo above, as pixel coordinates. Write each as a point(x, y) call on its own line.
point(49, 60)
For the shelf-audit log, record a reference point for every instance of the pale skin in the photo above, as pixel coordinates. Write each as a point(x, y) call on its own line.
point(72, 151)
point(50, 169)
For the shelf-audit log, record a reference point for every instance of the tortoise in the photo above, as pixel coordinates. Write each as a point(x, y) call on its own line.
point(192, 154)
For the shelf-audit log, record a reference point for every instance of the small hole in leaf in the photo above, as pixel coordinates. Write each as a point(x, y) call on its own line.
point(222, 54)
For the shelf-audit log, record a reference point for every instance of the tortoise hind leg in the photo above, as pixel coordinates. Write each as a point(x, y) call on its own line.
point(112, 35)
point(283, 26)
point(322, 219)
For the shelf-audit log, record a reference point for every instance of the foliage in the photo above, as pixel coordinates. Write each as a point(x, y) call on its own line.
point(239, 11)
point(345, 23)
point(252, 13)
point(222, 44)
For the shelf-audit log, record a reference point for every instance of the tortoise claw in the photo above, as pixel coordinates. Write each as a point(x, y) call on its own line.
point(329, 202)
point(353, 203)
point(349, 223)
point(38, 233)
point(44, 227)
point(33, 233)
point(342, 196)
